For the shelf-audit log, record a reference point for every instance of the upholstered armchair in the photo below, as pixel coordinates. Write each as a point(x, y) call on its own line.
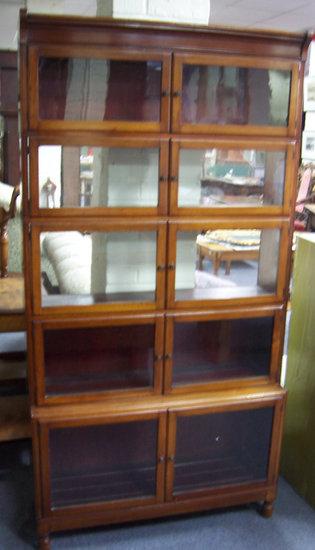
point(10, 205)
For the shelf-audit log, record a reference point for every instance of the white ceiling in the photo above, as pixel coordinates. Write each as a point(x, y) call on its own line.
point(288, 15)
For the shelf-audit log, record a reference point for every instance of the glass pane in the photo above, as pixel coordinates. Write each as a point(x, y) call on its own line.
point(229, 263)
point(103, 463)
point(222, 449)
point(99, 89)
point(230, 177)
point(206, 351)
point(90, 268)
point(73, 177)
point(97, 359)
point(235, 95)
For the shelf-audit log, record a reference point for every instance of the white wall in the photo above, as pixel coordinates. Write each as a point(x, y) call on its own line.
point(188, 11)
point(9, 21)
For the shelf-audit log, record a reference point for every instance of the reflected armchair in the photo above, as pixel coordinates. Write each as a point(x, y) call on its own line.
point(9, 205)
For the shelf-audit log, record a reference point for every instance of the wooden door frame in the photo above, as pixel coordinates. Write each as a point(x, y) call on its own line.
point(42, 447)
point(278, 315)
point(95, 52)
point(42, 325)
point(278, 403)
point(199, 225)
point(245, 61)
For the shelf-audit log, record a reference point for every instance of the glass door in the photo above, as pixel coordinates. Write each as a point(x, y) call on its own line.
point(85, 87)
point(97, 266)
point(117, 461)
point(234, 94)
point(212, 350)
point(226, 262)
point(226, 447)
point(231, 177)
point(113, 176)
point(120, 356)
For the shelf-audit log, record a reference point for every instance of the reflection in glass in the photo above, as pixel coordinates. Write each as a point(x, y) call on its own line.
point(230, 177)
point(81, 360)
point(206, 351)
point(222, 449)
point(99, 89)
point(73, 177)
point(90, 268)
point(103, 463)
point(235, 95)
point(229, 263)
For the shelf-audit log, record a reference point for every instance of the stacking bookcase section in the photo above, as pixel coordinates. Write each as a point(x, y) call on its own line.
point(116, 356)
point(200, 453)
point(96, 176)
point(217, 94)
point(225, 261)
point(212, 350)
point(124, 469)
point(231, 177)
point(98, 265)
point(212, 448)
point(84, 88)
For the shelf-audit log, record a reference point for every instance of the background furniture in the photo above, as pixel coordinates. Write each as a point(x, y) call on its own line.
point(7, 212)
point(310, 208)
point(155, 387)
point(298, 445)
point(9, 112)
point(14, 406)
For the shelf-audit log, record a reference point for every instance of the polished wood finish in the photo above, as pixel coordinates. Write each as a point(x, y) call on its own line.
point(172, 46)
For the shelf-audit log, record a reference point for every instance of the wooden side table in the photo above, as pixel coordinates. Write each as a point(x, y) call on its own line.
point(219, 253)
point(14, 409)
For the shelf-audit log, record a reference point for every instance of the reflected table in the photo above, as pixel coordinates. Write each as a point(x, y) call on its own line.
point(218, 253)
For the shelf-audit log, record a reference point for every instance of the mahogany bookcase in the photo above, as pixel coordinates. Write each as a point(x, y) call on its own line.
point(154, 375)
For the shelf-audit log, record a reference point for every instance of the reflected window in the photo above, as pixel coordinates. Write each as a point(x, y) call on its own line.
point(99, 89)
point(230, 177)
point(79, 177)
point(90, 268)
point(230, 263)
point(235, 95)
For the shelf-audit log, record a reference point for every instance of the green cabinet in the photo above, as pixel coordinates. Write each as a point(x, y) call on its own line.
point(298, 457)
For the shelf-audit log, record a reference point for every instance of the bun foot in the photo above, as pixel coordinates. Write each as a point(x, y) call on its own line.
point(267, 509)
point(44, 543)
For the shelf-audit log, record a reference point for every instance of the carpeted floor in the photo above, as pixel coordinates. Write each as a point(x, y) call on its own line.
point(292, 526)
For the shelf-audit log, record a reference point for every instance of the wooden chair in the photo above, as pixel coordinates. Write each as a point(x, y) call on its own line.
point(5, 216)
point(305, 195)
